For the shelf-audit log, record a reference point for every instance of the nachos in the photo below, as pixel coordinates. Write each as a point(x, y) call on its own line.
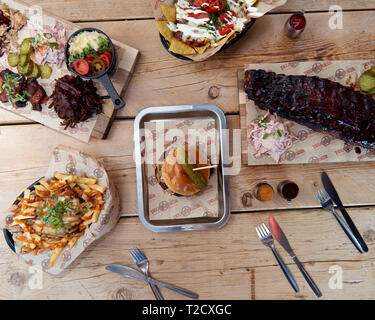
point(193, 26)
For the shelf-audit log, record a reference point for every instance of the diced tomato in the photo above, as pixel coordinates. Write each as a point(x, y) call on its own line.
point(199, 3)
point(89, 58)
point(81, 66)
point(105, 58)
point(215, 6)
point(200, 15)
point(225, 29)
point(227, 16)
point(210, 6)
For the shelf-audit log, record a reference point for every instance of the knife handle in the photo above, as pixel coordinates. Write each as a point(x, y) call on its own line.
point(307, 277)
point(156, 291)
point(347, 231)
point(286, 271)
point(354, 229)
point(179, 290)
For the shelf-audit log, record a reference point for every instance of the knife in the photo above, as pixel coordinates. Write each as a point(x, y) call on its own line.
point(135, 274)
point(281, 238)
point(328, 186)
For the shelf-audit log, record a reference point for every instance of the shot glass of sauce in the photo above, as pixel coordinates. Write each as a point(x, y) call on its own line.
point(295, 25)
point(263, 191)
point(288, 190)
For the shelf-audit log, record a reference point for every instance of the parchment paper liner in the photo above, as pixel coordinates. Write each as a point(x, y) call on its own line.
point(163, 205)
point(311, 146)
point(263, 6)
point(68, 160)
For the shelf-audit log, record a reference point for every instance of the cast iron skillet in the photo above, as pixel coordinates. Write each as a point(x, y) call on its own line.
point(7, 234)
point(165, 42)
point(104, 76)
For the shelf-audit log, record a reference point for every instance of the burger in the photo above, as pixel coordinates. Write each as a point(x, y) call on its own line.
point(177, 175)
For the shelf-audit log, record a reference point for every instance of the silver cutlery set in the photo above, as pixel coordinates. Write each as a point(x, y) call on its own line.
point(327, 197)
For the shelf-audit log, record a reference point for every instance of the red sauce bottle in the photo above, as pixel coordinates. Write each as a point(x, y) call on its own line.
point(295, 25)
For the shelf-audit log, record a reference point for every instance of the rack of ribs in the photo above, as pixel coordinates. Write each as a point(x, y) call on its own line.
point(320, 104)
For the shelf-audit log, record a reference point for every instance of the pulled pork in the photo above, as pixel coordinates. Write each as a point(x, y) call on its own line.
point(75, 100)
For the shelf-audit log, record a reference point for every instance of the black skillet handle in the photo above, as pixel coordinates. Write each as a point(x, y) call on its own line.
point(107, 83)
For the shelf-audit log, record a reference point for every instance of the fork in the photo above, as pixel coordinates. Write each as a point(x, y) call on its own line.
point(327, 204)
point(267, 239)
point(142, 263)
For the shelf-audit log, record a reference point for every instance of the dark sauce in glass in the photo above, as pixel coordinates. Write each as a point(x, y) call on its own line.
point(288, 190)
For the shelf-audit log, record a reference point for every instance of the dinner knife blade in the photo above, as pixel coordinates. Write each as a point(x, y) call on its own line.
point(135, 274)
point(280, 236)
point(328, 186)
point(127, 272)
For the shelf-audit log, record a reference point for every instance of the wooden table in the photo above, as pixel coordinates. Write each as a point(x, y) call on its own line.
point(229, 263)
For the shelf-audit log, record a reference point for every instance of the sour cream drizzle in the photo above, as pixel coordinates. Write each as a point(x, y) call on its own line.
point(198, 29)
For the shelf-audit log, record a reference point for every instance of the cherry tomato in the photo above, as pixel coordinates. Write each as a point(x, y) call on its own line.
point(108, 54)
point(225, 29)
point(105, 58)
point(214, 6)
point(227, 16)
point(81, 66)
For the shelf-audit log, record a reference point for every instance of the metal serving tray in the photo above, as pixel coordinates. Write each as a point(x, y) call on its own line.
point(186, 112)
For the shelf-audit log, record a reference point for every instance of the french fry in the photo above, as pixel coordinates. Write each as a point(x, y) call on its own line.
point(26, 194)
point(40, 187)
point(73, 241)
point(22, 217)
point(87, 215)
point(95, 216)
point(66, 177)
point(84, 187)
point(97, 187)
point(85, 180)
point(44, 183)
point(54, 256)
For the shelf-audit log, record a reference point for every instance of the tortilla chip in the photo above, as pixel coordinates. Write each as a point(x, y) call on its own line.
point(202, 49)
point(224, 40)
point(180, 47)
point(169, 12)
point(164, 30)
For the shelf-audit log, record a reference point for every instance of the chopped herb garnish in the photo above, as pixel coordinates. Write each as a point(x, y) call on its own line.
point(266, 135)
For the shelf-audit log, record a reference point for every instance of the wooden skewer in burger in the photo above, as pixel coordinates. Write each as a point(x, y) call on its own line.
point(177, 171)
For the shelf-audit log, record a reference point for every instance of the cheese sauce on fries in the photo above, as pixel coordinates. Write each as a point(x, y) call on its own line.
point(56, 213)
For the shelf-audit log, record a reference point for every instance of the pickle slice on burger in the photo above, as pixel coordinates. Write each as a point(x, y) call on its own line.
point(177, 171)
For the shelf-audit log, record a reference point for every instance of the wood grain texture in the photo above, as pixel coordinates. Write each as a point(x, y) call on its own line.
point(82, 10)
point(230, 263)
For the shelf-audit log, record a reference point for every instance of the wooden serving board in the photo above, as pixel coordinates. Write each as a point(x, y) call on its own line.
point(126, 58)
point(309, 146)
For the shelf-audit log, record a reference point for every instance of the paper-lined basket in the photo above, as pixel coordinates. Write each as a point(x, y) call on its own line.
point(70, 161)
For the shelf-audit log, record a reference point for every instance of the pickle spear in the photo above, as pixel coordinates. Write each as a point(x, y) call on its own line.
point(196, 176)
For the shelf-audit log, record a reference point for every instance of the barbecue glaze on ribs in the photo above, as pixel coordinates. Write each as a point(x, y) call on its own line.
point(317, 103)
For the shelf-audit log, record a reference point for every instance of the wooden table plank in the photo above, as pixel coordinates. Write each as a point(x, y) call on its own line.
point(230, 263)
point(161, 79)
point(27, 158)
point(84, 10)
